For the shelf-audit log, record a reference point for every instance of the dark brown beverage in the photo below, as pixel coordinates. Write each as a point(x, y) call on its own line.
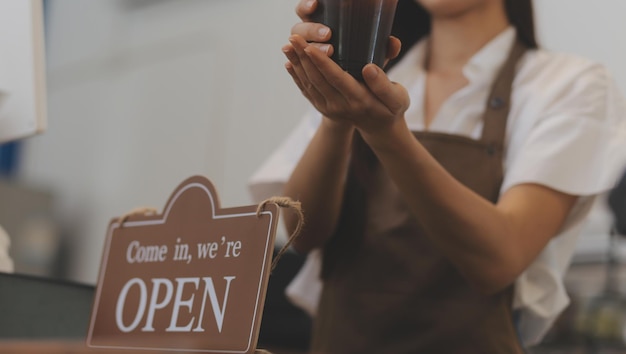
point(360, 31)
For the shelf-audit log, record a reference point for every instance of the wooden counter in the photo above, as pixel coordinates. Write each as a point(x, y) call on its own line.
point(59, 347)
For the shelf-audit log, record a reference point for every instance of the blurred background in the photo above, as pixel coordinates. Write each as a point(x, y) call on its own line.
point(145, 93)
point(141, 95)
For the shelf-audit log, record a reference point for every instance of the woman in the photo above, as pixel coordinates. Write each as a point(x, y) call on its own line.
point(447, 195)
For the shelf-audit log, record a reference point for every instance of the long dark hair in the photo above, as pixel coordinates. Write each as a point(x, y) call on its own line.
point(412, 23)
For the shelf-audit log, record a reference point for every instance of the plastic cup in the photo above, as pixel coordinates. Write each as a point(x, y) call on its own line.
point(360, 31)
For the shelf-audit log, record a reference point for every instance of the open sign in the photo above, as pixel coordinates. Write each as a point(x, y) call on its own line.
point(193, 278)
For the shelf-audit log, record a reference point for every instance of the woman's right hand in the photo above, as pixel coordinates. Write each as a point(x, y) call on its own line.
point(314, 33)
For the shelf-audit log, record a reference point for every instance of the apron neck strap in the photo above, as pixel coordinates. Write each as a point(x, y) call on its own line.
point(499, 103)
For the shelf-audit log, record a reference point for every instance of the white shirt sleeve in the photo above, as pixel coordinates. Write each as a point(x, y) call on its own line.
point(270, 178)
point(6, 264)
point(576, 144)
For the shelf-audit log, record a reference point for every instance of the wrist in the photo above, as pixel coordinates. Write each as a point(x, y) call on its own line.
point(392, 137)
point(337, 128)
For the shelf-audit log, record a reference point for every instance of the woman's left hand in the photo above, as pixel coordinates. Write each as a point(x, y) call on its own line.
point(372, 106)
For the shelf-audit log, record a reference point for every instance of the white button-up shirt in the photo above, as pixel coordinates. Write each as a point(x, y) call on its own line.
point(566, 130)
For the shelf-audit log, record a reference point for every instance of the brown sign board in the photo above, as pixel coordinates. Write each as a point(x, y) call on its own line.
point(191, 279)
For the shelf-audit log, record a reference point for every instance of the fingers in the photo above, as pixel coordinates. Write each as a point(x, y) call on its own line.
point(315, 33)
point(289, 66)
point(311, 32)
point(305, 9)
point(394, 47)
point(309, 57)
point(299, 75)
point(342, 82)
point(304, 73)
point(392, 95)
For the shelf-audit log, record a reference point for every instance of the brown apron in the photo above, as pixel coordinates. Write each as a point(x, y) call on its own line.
point(387, 288)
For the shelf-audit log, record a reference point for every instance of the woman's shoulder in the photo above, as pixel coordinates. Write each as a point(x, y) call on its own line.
point(556, 82)
point(551, 68)
point(566, 127)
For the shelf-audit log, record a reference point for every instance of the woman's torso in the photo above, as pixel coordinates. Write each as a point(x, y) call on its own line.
point(387, 287)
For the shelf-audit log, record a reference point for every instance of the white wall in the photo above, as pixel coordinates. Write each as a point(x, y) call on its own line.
point(144, 93)
point(592, 28)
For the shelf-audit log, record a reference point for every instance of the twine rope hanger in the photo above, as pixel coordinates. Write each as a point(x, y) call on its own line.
point(288, 203)
point(282, 202)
